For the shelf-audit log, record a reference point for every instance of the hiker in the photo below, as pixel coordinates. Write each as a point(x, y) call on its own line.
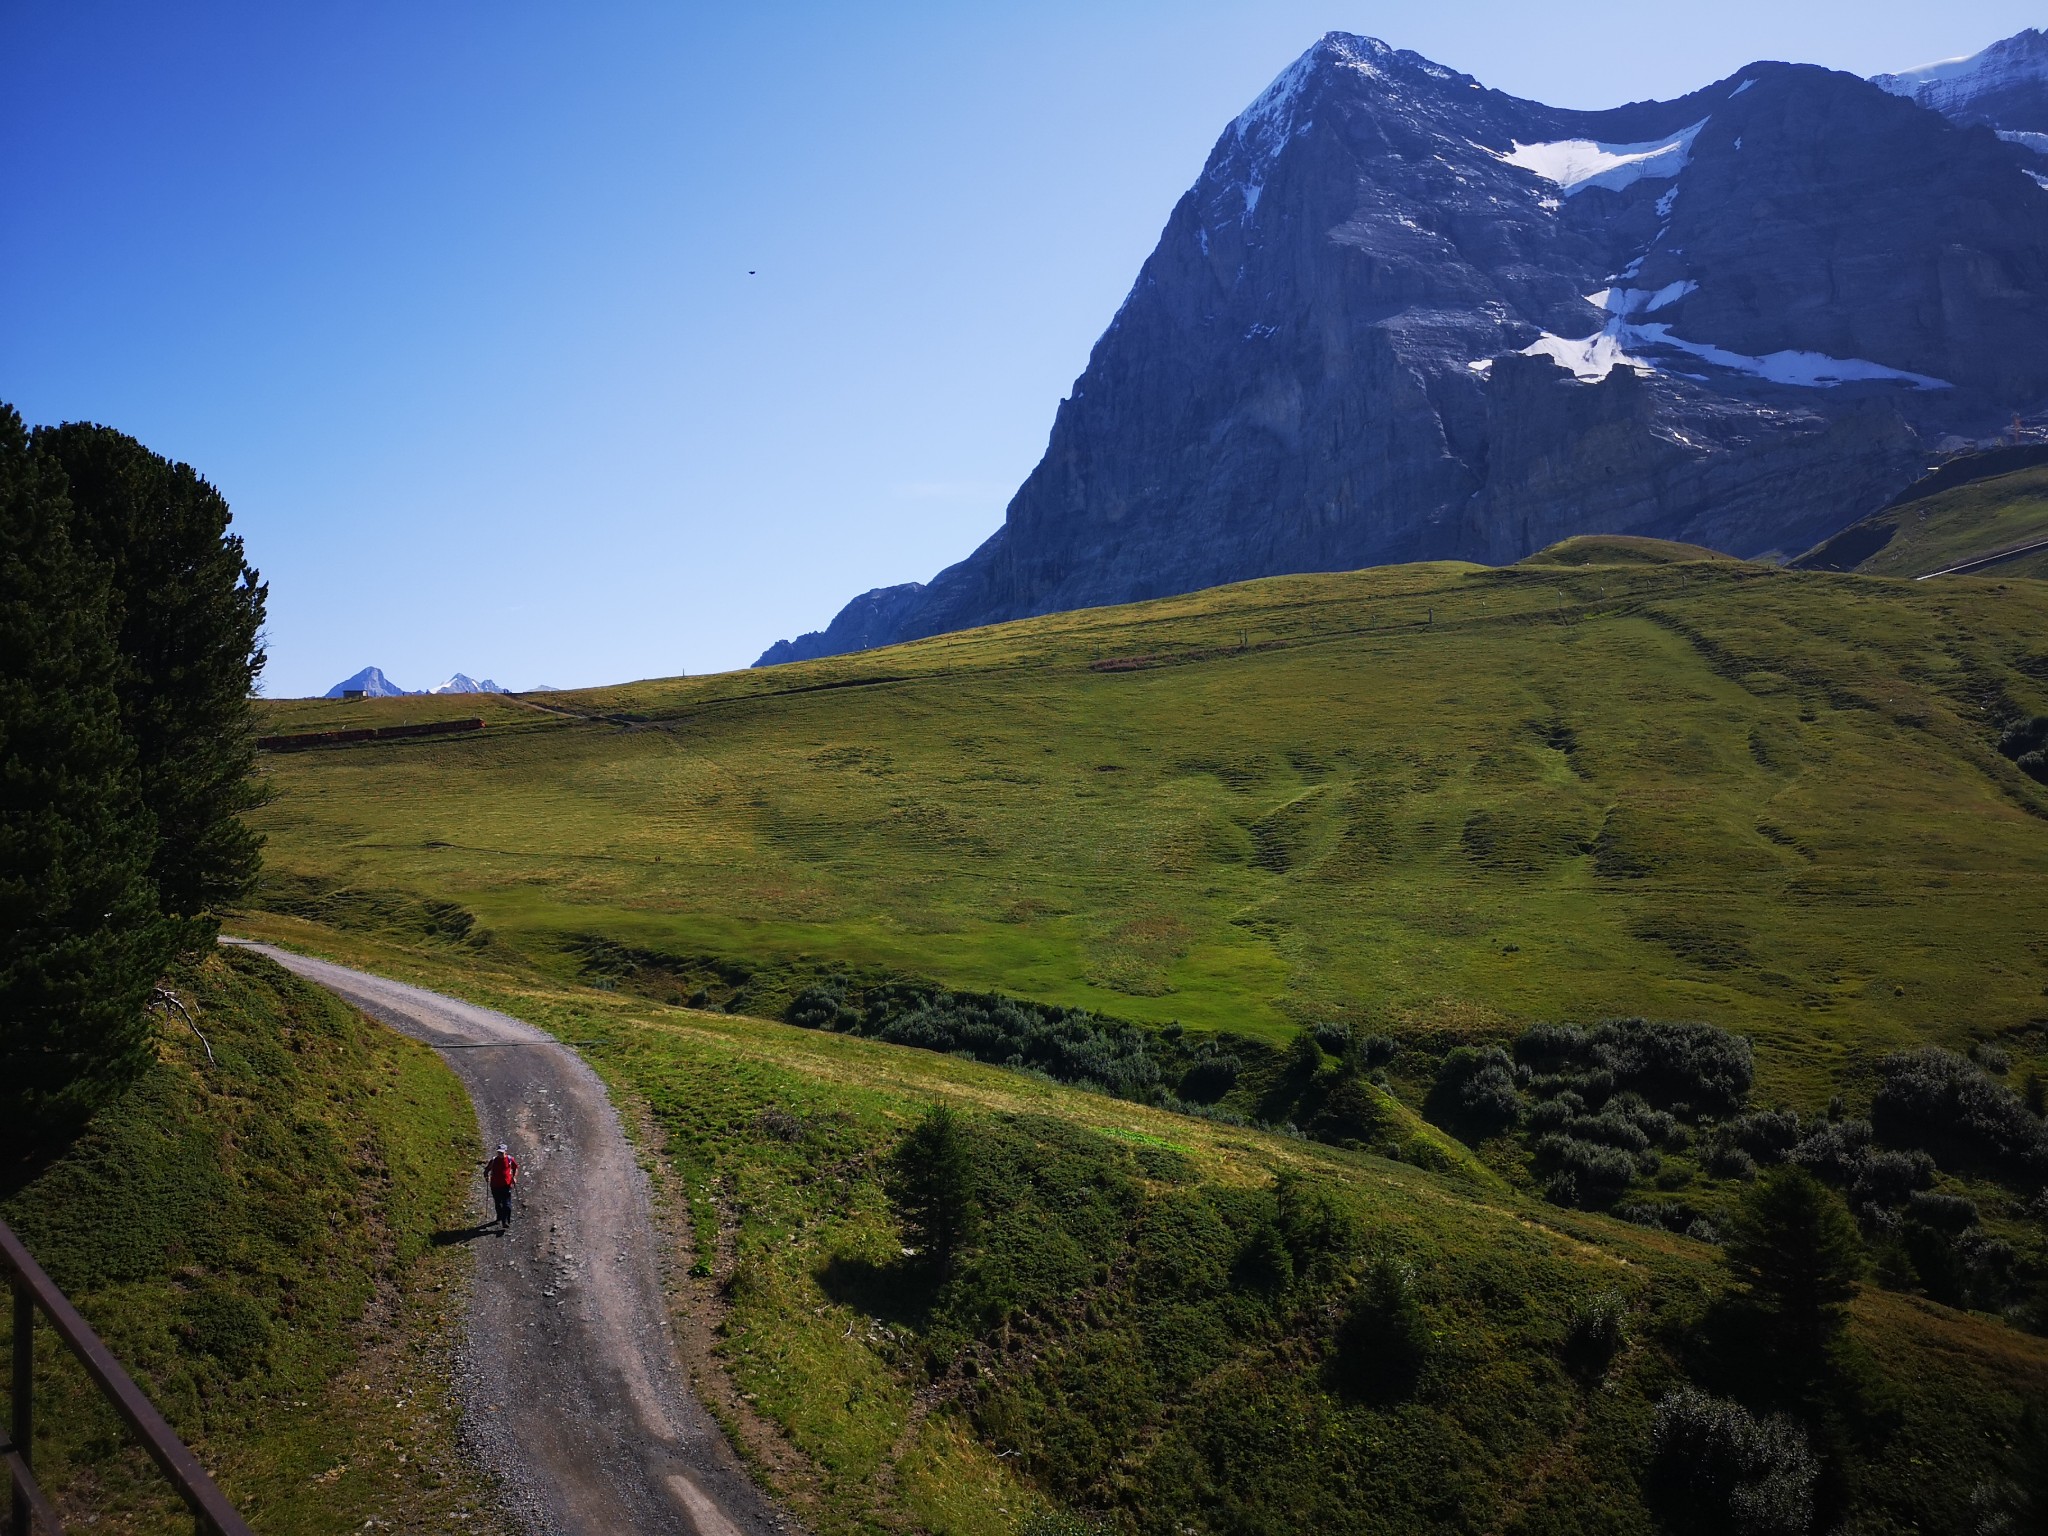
point(502, 1172)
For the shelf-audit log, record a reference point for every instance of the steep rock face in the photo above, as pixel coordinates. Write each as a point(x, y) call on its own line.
point(1402, 317)
point(874, 618)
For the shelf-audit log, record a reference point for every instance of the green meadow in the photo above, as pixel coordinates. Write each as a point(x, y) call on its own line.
point(1948, 528)
point(1151, 1333)
point(1421, 807)
point(1436, 801)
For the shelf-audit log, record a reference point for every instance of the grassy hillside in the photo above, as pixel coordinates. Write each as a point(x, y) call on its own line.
point(251, 1235)
point(1948, 526)
point(1432, 801)
point(1167, 1325)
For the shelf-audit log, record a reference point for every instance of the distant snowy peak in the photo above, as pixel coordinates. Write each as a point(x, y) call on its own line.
point(2005, 85)
point(370, 683)
point(461, 683)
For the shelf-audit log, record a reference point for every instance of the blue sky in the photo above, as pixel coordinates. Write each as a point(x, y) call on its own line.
point(452, 300)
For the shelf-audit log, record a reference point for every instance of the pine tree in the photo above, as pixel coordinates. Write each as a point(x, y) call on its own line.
point(81, 938)
point(932, 1183)
point(1795, 1245)
point(187, 614)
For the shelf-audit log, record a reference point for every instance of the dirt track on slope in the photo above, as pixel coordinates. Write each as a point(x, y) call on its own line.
point(571, 1391)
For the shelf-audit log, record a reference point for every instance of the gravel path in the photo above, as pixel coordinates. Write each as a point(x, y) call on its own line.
point(571, 1390)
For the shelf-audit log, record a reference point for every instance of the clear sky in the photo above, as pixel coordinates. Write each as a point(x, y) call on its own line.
point(453, 300)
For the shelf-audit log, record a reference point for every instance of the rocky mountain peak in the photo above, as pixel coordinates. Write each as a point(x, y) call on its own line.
point(1403, 316)
point(2003, 86)
point(370, 683)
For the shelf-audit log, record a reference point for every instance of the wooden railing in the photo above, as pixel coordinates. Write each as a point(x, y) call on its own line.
point(32, 1514)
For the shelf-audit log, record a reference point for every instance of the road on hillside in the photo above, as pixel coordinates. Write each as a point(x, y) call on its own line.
point(571, 1390)
point(1997, 557)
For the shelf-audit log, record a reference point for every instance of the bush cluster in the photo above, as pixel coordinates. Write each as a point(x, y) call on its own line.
point(1949, 1105)
point(1689, 1069)
point(1922, 1235)
point(1069, 1045)
point(1475, 1088)
point(1600, 1105)
point(2025, 741)
point(1716, 1467)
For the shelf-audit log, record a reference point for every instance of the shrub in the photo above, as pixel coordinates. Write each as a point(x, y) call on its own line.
point(1210, 1078)
point(1670, 1215)
point(1943, 1212)
point(1717, 1468)
point(1609, 1129)
point(821, 1007)
point(1888, 1178)
point(2023, 740)
point(1597, 1172)
point(1937, 1100)
point(1334, 1038)
point(1383, 1342)
point(1728, 1162)
point(1548, 1115)
point(1968, 1268)
point(1475, 1088)
point(1367, 1053)
point(1304, 1056)
point(1834, 1150)
point(1595, 1333)
point(1766, 1135)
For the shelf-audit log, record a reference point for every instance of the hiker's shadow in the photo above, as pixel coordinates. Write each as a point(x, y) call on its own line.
point(452, 1235)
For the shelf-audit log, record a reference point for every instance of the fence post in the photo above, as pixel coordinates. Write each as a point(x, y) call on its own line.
point(23, 1426)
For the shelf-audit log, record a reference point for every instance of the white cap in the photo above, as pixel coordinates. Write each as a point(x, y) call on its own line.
point(503, 1148)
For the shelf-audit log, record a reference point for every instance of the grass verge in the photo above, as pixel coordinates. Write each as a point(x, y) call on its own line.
point(253, 1238)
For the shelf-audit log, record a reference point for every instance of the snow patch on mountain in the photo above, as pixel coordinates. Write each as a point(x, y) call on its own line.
point(1590, 360)
point(1812, 370)
point(2037, 142)
point(1576, 164)
point(1641, 301)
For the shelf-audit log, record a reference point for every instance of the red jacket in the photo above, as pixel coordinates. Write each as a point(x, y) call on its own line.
point(502, 1171)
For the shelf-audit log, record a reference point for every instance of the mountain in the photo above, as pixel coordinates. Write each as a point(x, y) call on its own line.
point(370, 682)
point(461, 683)
point(2004, 87)
point(1405, 317)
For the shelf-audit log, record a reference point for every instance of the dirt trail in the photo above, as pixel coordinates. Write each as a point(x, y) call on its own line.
point(571, 1390)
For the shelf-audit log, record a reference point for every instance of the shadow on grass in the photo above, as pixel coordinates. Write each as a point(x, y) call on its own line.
point(898, 1293)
